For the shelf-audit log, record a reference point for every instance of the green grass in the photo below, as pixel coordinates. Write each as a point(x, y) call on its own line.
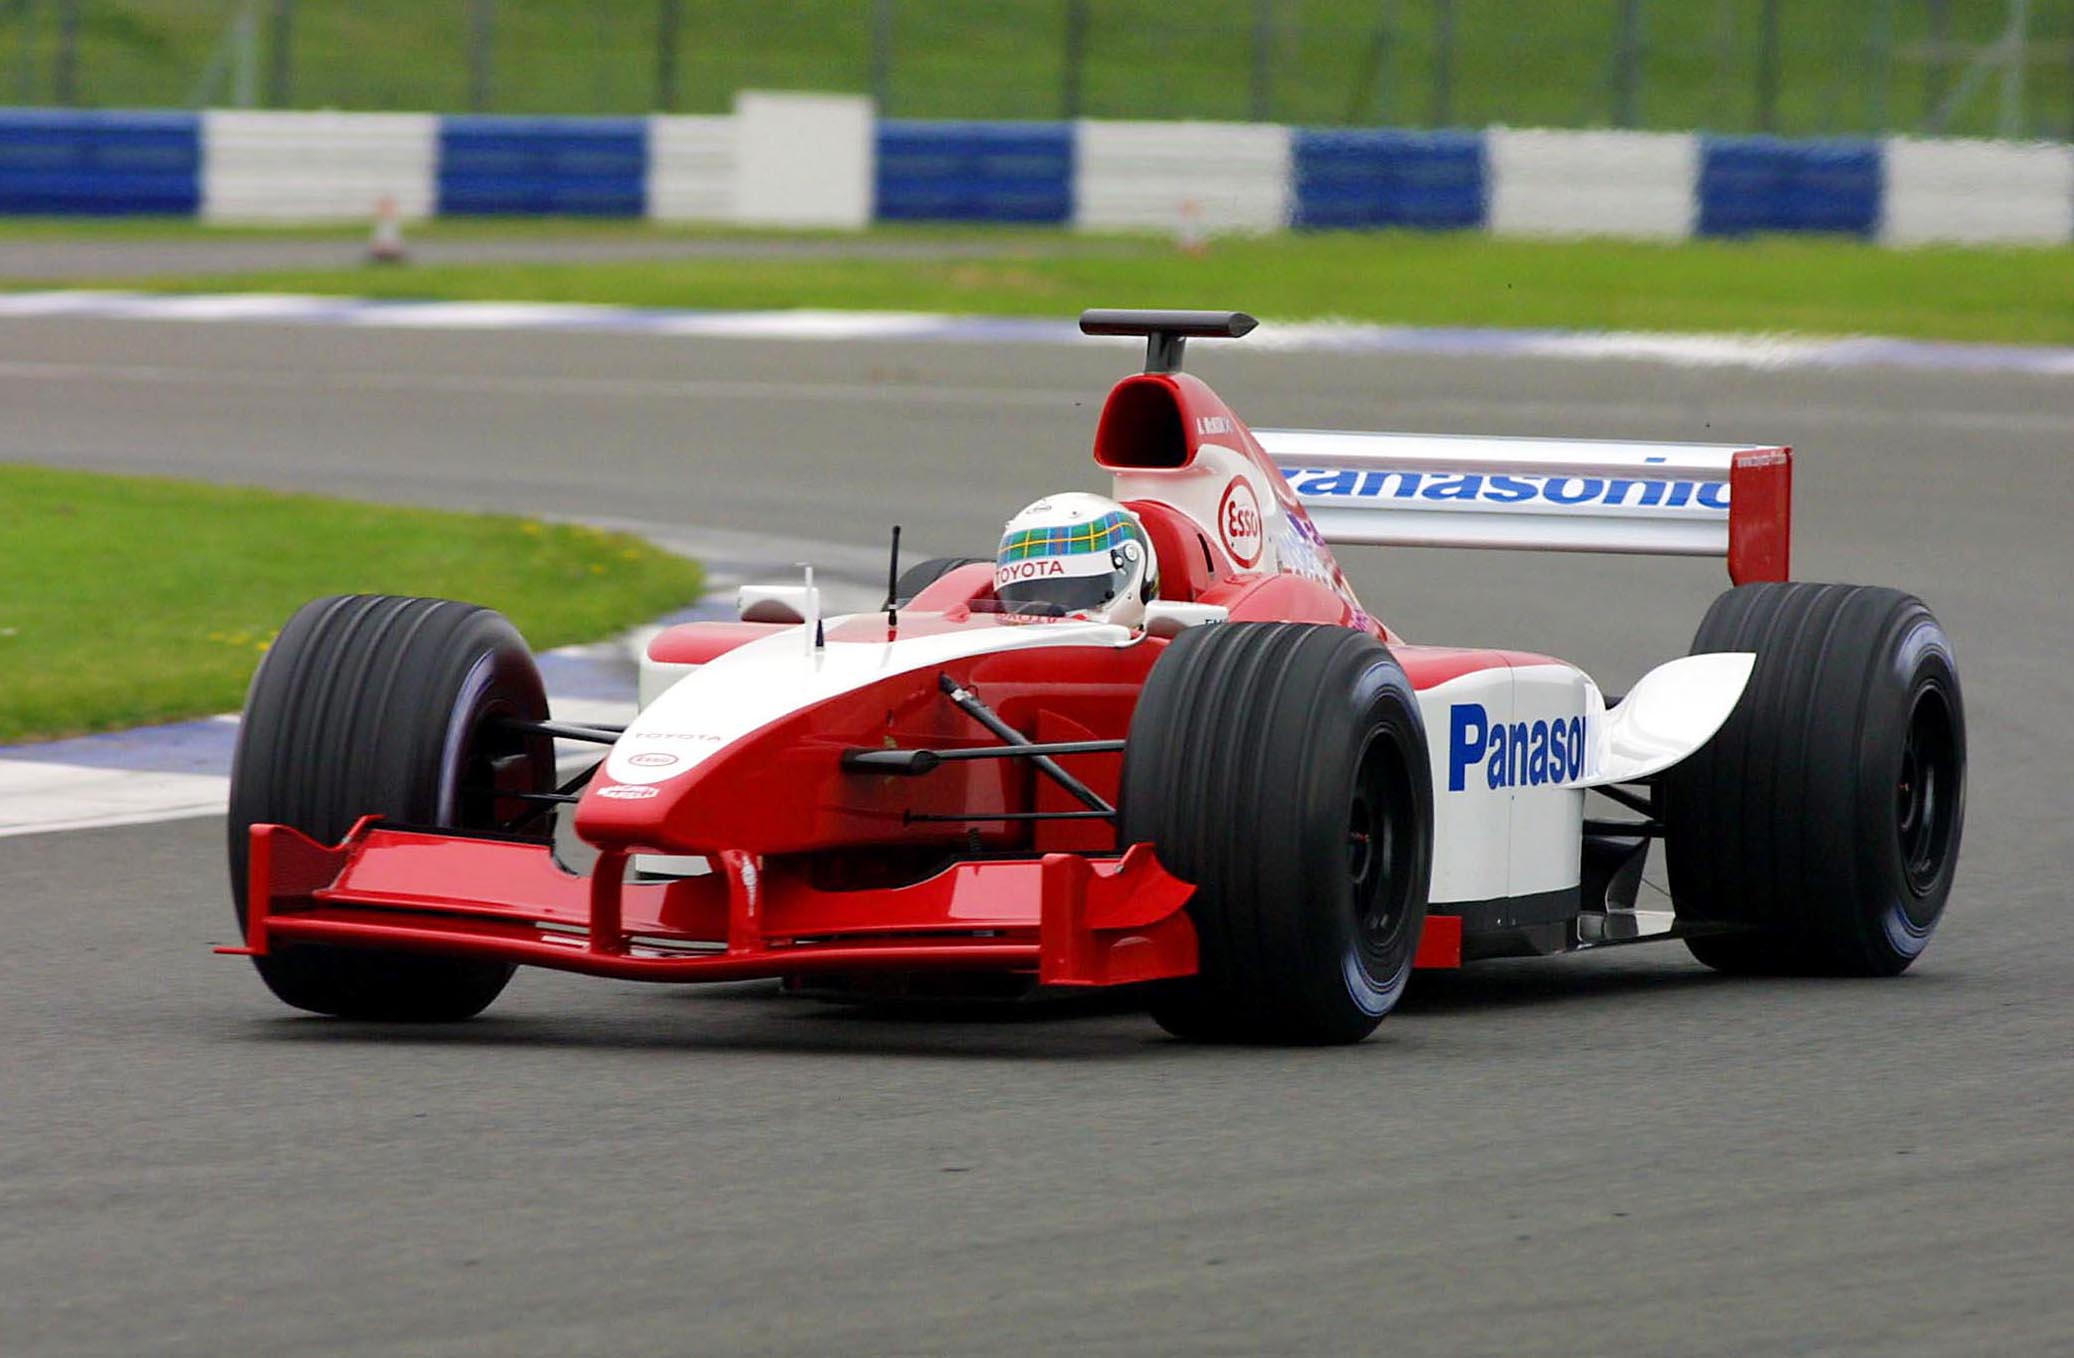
point(1778, 285)
point(1845, 65)
point(134, 600)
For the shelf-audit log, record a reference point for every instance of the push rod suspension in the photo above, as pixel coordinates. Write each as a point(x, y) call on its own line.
point(917, 817)
point(924, 761)
point(971, 706)
point(568, 730)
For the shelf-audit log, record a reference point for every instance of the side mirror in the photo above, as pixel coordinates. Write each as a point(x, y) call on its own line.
point(773, 603)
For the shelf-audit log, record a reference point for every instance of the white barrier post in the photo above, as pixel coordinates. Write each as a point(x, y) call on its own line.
point(804, 160)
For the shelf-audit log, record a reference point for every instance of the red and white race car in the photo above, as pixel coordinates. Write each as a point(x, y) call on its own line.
point(1159, 744)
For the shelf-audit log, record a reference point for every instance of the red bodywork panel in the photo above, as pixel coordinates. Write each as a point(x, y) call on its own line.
point(783, 790)
point(1760, 524)
point(700, 643)
point(1070, 920)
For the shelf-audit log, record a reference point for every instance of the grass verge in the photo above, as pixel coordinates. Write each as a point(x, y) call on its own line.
point(1773, 285)
point(131, 599)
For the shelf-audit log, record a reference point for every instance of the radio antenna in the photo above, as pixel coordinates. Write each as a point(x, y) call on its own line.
point(893, 583)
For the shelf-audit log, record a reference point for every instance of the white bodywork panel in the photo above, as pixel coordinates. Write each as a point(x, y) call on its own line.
point(1438, 490)
point(656, 678)
point(691, 712)
point(1497, 832)
point(1676, 708)
point(1165, 618)
point(1203, 490)
point(1514, 748)
point(757, 683)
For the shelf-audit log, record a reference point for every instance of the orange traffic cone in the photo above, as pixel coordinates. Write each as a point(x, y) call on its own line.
point(1189, 233)
point(385, 246)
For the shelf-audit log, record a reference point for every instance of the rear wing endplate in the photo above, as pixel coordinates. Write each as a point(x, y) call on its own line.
point(1551, 495)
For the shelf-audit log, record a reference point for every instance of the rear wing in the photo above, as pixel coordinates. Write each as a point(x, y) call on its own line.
point(1551, 495)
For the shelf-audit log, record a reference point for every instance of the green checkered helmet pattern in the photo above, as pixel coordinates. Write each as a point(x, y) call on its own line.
point(1070, 539)
point(1076, 555)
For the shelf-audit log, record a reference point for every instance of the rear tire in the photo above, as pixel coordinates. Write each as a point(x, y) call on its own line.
point(1818, 831)
point(377, 705)
point(1282, 769)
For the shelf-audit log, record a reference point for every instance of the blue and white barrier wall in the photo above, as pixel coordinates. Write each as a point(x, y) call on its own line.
point(973, 172)
point(108, 164)
point(826, 160)
point(314, 166)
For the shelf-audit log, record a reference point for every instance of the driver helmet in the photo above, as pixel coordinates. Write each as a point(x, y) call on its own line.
point(1079, 556)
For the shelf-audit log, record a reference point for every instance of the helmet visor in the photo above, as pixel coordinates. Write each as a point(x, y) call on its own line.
point(1057, 595)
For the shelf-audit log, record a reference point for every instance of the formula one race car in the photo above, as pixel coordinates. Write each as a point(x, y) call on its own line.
point(1155, 742)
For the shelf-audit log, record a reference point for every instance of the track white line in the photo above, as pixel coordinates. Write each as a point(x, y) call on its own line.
point(740, 389)
point(1679, 350)
point(40, 798)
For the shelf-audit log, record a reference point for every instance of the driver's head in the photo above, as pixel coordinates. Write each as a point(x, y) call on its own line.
point(1075, 555)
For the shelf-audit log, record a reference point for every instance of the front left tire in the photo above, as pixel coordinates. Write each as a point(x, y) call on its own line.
point(374, 704)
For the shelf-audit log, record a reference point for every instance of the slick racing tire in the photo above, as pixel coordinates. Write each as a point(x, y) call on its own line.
point(1819, 829)
point(375, 705)
point(1281, 768)
point(923, 574)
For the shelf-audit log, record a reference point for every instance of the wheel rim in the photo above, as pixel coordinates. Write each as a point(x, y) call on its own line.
point(1926, 791)
point(1380, 843)
point(486, 762)
point(498, 763)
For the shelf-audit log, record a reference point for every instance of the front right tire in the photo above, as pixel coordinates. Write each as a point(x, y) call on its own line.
point(1281, 768)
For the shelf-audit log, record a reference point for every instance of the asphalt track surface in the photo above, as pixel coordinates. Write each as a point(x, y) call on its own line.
point(1606, 1153)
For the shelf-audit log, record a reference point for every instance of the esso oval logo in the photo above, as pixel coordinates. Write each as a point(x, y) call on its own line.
point(1238, 521)
point(652, 759)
